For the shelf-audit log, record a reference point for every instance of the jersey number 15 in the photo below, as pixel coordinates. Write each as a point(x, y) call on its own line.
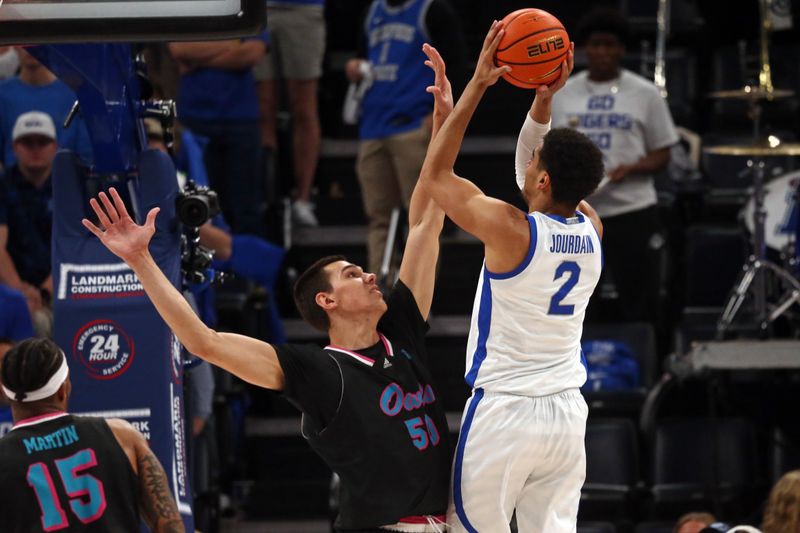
point(87, 497)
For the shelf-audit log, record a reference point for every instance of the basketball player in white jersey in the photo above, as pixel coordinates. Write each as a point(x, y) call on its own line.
point(522, 433)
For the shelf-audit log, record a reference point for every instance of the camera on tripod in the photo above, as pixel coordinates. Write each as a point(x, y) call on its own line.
point(196, 205)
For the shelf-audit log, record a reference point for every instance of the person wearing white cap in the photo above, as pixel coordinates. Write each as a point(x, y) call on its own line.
point(36, 88)
point(109, 475)
point(26, 215)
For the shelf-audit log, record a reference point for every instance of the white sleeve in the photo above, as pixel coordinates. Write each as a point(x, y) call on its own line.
point(530, 136)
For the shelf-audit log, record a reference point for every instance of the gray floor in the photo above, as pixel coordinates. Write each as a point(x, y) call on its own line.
point(307, 526)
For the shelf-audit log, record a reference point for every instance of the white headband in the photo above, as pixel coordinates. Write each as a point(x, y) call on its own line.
point(47, 390)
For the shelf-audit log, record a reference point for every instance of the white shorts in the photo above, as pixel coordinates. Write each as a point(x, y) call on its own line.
point(523, 453)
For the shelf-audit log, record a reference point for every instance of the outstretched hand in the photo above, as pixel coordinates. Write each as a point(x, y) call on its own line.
point(547, 91)
point(441, 90)
point(121, 235)
point(486, 72)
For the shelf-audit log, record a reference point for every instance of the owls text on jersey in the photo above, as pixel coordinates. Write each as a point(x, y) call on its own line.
point(526, 324)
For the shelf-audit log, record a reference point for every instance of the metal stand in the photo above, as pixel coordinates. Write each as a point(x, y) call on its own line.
point(754, 277)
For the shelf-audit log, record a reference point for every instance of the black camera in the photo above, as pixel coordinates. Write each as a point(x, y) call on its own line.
point(196, 205)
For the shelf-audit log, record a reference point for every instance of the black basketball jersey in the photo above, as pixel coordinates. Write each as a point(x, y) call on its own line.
point(64, 473)
point(389, 439)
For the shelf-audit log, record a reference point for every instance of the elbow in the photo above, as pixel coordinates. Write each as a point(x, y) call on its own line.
point(203, 344)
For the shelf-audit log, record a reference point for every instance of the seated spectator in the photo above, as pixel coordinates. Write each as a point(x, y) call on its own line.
point(26, 215)
point(38, 89)
point(15, 318)
point(782, 514)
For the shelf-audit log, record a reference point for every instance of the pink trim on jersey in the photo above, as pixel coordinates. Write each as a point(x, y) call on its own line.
point(37, 420)
point(354, 355)
point(363, 358)
point(387, 345)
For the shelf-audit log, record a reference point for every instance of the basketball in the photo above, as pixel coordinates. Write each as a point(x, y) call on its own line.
point(534, 46)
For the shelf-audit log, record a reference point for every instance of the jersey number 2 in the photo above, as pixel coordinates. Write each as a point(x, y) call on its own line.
point(87, 497)
point(573, 271)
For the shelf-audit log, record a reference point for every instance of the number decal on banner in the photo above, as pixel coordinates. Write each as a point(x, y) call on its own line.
point(104, 348)
point(422, 433)
point(573, 272)
point(87, 496)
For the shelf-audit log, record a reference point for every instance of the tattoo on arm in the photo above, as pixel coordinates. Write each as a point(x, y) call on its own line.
point(158, 508)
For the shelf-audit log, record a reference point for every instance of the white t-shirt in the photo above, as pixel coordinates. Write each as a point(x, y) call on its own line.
point(627, 118)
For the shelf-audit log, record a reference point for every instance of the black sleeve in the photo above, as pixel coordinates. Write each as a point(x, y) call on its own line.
point(403, 316)
point(446, 33)
point(313, 381)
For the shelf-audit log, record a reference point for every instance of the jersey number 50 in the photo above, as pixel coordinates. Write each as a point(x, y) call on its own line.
point(87, 497)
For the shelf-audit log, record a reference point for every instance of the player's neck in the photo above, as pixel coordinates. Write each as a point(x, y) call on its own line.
point(21, 412)
point(354, 335)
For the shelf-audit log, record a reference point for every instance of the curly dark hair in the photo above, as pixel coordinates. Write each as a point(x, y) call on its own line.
point(574, 163)
point(311, 282)
point(603, 20)
point(29, 365)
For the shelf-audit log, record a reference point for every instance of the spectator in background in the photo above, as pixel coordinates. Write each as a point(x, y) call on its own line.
point(782, 514)
point(38, 89)
point(26, 215)
point(9, 62)
point(693, 522)
point(217, 99)
point(297, 44)
point(627, 118)
point(15, 318)
point(394, 126)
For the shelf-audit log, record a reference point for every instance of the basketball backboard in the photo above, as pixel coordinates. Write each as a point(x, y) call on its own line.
point(66, 21)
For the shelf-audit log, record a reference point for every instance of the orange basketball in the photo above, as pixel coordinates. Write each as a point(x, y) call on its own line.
point(534, 46)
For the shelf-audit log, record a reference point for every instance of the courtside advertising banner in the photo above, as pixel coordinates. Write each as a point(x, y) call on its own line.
point(124, 361)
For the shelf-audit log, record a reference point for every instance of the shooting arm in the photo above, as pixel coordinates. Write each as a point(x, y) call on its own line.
point(486, 218)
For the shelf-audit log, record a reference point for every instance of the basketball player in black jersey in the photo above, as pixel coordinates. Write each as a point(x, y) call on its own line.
point(78, 474)
point(369, 406)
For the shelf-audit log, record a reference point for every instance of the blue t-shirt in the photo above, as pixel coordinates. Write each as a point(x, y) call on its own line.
point(218, 94)
point(55, 99)
point(15, 320)
point(28, 213)
point(396, 102)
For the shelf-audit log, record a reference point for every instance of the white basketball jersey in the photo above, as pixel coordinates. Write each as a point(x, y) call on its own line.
point(526, 324)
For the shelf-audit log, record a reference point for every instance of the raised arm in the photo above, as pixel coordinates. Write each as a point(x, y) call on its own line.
point(537, 120)
point(498, 224)
point(425, 217)
point(250, 359)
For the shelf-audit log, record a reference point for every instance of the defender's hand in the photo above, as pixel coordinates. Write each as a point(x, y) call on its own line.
point(122, 236)
point(441, 90)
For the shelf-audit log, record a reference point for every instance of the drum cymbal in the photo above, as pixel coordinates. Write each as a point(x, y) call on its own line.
point(751, 93)
point(754, 150)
